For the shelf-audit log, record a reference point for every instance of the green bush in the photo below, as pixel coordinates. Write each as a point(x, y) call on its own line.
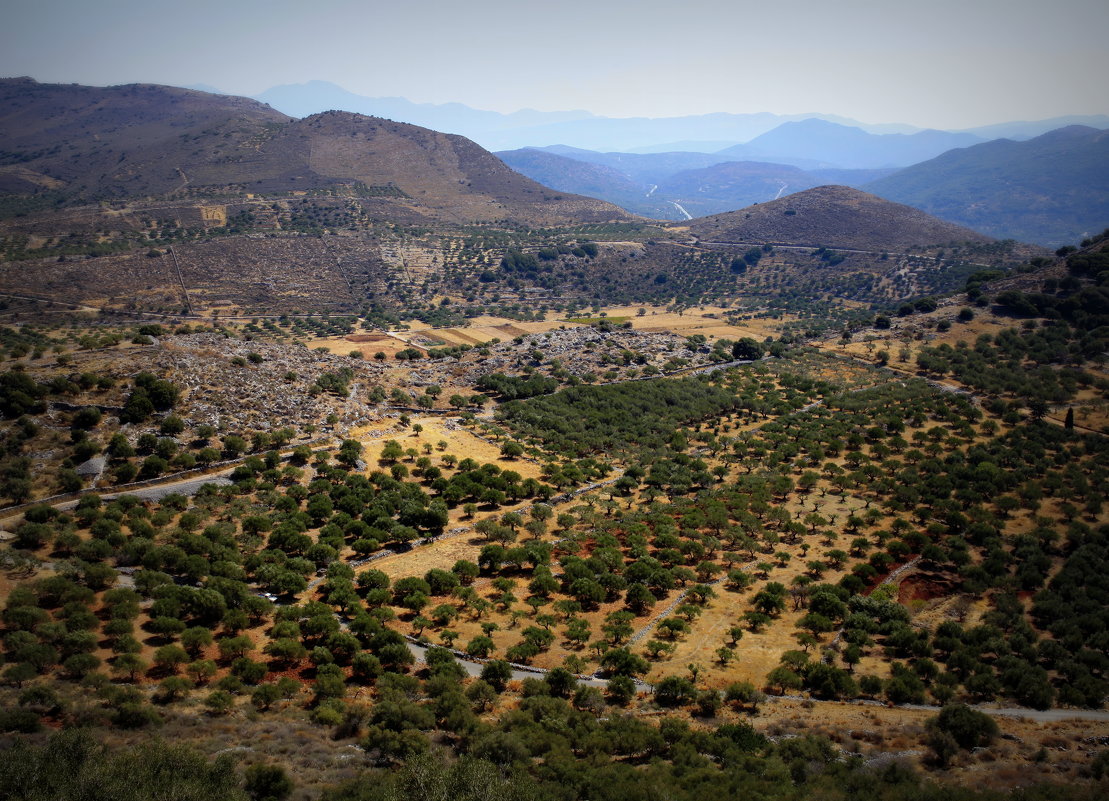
point(968, 727)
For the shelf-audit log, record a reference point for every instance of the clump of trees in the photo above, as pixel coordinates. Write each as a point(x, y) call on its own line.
point(516, 387)
point(590, 419)
point(149, 394)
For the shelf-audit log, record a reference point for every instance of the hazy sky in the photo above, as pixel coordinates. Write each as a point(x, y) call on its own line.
point(942, 63)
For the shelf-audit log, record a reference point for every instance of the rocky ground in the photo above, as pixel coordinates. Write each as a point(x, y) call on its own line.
point(218, 389)
point(579, 351)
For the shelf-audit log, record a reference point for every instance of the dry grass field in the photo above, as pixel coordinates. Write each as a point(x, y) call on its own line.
point(706, 320)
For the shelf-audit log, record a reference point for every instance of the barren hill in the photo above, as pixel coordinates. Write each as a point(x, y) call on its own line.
point(833, 216)
point(88, 143)
point(121, 141)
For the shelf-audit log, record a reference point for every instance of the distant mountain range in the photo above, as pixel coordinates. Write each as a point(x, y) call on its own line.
point(1052, 190)
point(819, 143)
point(525, 128)
point(737, 184)
point(583, 177)
point(706, 133)
point(672, 186)
point(302, 100)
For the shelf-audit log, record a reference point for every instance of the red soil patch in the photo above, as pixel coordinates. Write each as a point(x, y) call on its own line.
point(924, 587)
point(303, 671)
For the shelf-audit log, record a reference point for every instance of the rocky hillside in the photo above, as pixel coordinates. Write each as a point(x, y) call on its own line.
point(121, 141)
point(85, 144)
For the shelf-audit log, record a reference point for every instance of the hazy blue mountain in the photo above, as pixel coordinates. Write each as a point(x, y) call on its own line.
point(304, 99)
point(736, 184)
point(852, 178)
point(733, 185)
point(1051, 190)
point(696, 133)
point(647, 168)
point(821, 143)
point(656, 185)
point(1020, 131)
point(529, 128)
point(588, 178)
point(628, 134)
point(746, 152)
point(685, 146)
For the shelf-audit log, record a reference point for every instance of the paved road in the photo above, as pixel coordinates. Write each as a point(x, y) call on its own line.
point(473, 668)
point(1038, 715)
point(187, 487)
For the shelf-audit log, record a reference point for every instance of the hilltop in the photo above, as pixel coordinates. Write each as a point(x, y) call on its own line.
point(90, 143)
point(834, 216)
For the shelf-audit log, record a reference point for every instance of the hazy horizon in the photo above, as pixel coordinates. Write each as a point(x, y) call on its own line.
point(814, 112)
point(946, 64)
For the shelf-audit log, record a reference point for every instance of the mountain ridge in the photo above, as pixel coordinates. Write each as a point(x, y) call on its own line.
point(601, 132)
point(588, 178)
point(1052, 190)
point(494, 130)
point(145, 140)
point(833, 145)
point(700, 183)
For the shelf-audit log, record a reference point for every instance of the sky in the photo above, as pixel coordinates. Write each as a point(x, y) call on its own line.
point(930, 63)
